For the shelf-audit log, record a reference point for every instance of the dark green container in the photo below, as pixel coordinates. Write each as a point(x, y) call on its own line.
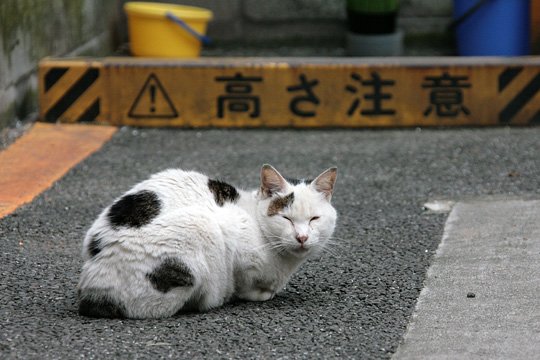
point(372, 16)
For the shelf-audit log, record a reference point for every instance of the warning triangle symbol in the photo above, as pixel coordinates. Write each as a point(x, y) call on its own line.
point(152, 101)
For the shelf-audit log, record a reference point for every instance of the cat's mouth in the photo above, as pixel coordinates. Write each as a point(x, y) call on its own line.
point(300, 250)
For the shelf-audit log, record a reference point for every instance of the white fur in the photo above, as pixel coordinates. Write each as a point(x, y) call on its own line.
point(231, 250)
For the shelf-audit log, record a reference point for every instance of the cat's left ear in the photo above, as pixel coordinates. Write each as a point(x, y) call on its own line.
point(324, 183)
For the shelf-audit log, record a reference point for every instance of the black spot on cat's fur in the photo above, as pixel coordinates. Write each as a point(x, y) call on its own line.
point(293, 181)
point(98, 304)
point(170, 274)
point(135, 210)
point(279, 204)
point(223, 192)
point(94, 247)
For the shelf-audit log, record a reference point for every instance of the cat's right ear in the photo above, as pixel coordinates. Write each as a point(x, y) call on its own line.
point(324, 183)
point(271, 181)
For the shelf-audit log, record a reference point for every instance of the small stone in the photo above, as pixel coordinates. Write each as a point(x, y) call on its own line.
point(513, 174)
point(471, 295)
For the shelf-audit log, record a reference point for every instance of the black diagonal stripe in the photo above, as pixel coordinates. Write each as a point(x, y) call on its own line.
point(535, 120)
point(74, 92)
point(53, 75)
point(517, 103)
point(508, 75)
point(91, 113)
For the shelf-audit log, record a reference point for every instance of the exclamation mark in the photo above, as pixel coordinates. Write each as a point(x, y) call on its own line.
point(152, 98)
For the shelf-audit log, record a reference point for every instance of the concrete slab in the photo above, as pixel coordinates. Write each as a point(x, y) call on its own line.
point(481, 295)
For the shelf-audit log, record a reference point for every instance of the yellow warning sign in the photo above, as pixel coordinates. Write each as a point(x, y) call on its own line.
point(289, 92)
point(152, 102)
point(71, 91)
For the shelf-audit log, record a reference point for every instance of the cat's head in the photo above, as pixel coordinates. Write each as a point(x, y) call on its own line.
point(296, 216)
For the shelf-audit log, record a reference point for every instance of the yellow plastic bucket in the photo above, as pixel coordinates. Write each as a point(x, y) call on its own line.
point(166, 30)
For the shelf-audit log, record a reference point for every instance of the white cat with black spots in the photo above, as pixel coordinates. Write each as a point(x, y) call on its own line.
point(180, 240)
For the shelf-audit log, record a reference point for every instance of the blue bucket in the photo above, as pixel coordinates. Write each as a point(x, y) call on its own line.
point(492, 27)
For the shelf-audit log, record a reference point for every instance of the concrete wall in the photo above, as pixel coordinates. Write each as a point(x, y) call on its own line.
point(33, 29)
point(257, 20)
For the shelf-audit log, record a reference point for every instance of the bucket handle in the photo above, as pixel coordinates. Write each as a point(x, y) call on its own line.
point(202, 38)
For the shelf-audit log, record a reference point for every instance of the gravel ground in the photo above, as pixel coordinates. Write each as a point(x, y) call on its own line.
point(352, 302)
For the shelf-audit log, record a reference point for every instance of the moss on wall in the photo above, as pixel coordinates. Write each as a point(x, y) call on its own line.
point(52, 27)
point(33, 29)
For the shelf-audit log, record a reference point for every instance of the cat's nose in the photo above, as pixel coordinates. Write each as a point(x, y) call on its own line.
point(301, 238)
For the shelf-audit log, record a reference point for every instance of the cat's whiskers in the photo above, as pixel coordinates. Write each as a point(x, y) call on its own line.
point(332, 247)
point(283, 247)
point(274, 238)
point(337, 238)
point(340, 242)
point(272, 245)
point(329, 250)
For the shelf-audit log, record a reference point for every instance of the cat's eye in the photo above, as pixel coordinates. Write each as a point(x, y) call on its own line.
point(314, 218)
point(287, 218)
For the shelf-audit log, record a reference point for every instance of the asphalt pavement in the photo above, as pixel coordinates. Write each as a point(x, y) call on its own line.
point(355, 301)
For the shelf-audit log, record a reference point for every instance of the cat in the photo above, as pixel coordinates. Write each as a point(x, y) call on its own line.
point(183, 241)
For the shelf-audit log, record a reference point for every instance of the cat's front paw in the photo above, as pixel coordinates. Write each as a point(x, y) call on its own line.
point(258, 295)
